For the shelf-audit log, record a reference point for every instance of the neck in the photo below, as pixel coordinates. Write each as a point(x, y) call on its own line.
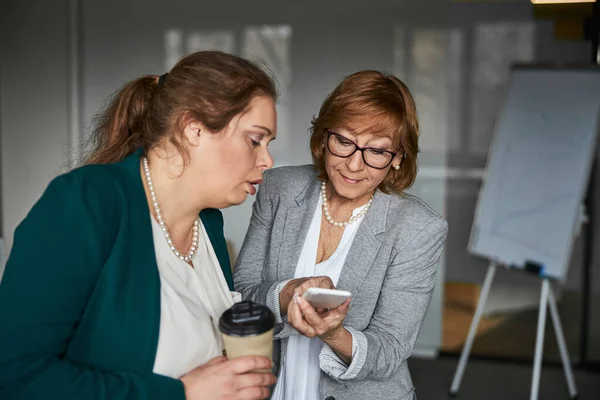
point(172, 194)
point(344, 204)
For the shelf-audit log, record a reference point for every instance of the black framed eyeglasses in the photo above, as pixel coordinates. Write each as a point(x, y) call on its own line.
point(343, 147)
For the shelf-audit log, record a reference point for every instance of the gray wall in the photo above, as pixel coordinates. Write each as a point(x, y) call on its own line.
point(34, 104)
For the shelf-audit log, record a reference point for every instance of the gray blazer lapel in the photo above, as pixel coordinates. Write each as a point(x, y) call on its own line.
point(365, 246)
point(297, 221)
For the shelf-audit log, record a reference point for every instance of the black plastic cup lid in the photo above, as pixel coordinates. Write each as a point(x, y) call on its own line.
point(246, 319)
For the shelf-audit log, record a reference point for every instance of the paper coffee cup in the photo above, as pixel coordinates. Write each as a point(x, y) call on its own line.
point(247, 330)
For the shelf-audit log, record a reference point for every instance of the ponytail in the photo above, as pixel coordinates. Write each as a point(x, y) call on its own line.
point(209, 86)
point(119, 128)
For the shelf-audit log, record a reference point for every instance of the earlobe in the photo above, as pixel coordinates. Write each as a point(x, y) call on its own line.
point(399, 158)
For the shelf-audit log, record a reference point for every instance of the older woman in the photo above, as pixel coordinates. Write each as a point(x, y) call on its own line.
point(346, 222)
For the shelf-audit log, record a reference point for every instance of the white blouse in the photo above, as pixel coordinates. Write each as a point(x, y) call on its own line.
point(191, 303)
point(300, 374)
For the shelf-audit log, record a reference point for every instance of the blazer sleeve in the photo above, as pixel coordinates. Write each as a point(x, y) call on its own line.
point(56, 258)
point(248, 273)
point(403, 302)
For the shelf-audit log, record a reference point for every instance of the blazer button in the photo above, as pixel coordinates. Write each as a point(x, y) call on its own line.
point(329, 398)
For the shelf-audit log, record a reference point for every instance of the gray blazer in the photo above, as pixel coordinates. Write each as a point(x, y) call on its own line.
point(390, 270)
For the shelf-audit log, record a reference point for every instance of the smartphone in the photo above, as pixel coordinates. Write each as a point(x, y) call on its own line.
point(325, 298)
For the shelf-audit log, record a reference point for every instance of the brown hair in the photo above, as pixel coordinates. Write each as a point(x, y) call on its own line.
point(209, 86)
point(375, 102)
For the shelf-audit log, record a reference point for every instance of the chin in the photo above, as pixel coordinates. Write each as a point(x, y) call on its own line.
point(349, 191)
point(353, 194)
point(237, 200)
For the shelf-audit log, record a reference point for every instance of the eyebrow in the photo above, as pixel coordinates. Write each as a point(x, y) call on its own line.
point(263, 128)
point(376, 137)
point(382, 137)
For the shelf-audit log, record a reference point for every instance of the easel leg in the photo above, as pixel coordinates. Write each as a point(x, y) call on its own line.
point(560, 339)
point(464, 356)
point(539, 341)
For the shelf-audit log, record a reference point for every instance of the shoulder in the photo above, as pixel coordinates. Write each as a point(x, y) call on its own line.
point(90, 176)
point(85, 204)
point(291, 180)
point(414, 215)
point(98, 179)
point(295, 175)
point(93, 188)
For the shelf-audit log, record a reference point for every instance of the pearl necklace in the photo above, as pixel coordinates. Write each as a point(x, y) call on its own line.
point(352, 219)
point(194, 246)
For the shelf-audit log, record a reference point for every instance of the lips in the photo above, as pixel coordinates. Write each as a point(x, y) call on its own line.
point(350, 180)
point(253, 184)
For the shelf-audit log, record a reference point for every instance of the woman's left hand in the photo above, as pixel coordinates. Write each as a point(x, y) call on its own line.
point(310, 323)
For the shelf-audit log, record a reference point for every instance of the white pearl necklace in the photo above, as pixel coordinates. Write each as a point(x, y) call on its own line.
point(352, 219)
point(194, 246)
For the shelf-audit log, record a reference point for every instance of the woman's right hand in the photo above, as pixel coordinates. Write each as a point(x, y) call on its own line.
point(229, 379)
point(299, 286)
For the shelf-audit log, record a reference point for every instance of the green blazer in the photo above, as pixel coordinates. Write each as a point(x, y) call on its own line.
point(80, 296)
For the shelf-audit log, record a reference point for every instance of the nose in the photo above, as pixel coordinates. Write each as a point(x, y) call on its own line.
point(265, 161)
point(356, 162)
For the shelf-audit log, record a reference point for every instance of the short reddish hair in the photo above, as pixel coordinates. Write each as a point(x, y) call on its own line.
point(378, 103)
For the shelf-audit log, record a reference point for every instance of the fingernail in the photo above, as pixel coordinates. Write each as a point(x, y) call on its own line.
point(296, 298)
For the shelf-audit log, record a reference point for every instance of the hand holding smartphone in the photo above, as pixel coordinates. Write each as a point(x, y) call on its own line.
point(325, 298)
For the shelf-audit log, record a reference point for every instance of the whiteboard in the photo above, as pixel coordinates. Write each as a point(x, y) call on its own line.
point(537, 169)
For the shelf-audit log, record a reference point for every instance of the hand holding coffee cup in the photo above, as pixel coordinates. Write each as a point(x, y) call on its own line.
point(234, 380)
point(247, 330)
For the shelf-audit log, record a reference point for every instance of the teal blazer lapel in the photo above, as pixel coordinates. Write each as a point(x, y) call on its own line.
point(213, 223)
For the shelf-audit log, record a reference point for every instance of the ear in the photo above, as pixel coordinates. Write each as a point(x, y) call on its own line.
point(396, 162)
point(192, 131)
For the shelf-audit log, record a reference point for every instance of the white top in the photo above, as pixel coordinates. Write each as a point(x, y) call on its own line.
point(300, 373)
point(191, 303)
